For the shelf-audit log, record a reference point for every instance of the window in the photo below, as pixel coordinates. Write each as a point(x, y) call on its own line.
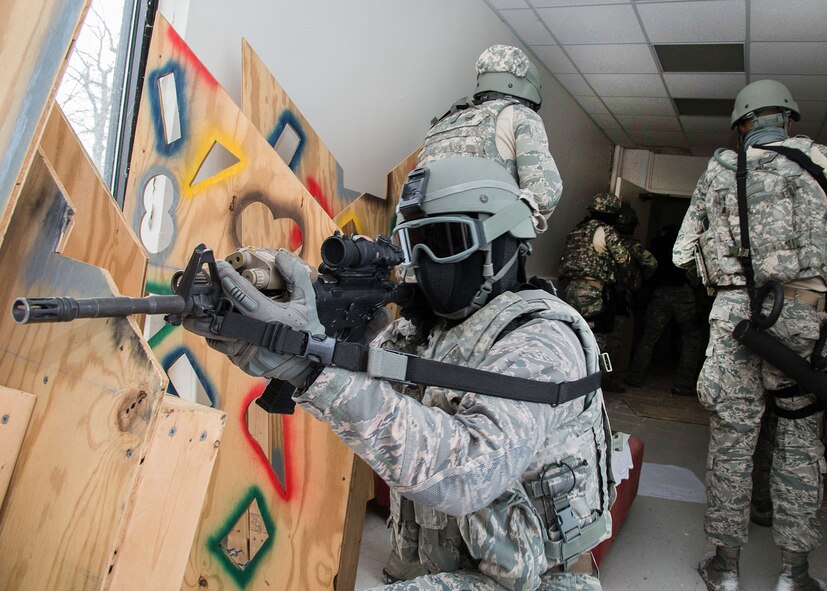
point(100, 87)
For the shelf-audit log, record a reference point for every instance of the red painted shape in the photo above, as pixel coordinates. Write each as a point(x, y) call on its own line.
point(316, 190)
point(282, 489)
point(181, 47)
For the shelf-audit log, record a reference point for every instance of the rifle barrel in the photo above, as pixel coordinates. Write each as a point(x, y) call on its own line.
point(62, 309)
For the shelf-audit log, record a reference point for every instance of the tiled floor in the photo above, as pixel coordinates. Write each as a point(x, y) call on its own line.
point(662, 538)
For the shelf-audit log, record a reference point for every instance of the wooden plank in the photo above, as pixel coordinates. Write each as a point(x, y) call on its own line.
point(303, 510)
point(361, 491)
point(169, 495)
point(35, 39)
point(274, 114)
point(97, 388)
point(101, 235)
point(15, 411)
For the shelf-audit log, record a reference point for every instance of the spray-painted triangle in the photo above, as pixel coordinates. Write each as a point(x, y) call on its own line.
point(217, 160)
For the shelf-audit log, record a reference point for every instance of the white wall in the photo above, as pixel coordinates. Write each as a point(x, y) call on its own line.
point(370, 74)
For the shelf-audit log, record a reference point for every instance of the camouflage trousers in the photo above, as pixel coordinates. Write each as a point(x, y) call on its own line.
point(732, 385)
point(588, 300)
point(476, 581)
point(669, 302)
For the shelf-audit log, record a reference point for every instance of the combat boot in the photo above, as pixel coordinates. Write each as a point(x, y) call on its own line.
point(794, 573)
point(397, 569)
point(720, 570)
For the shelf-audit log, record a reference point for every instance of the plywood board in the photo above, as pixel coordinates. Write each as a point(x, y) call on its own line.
point(101, 235)
point(97, 388)
point(168, 498)
point(15, 412)
point(35, 38)
point(289, 507)
point(277, 117)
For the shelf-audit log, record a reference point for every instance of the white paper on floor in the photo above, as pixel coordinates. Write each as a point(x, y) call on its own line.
point(671, 482)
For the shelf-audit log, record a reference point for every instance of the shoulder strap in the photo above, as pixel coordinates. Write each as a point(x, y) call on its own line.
point(745, 255)
point(396, 366)
point(803, 160)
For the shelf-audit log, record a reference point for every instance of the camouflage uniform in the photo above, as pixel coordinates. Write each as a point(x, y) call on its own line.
point(589, 271)
point(671, 297)
point(788, 232)
point(505, 131)
point(467, 471)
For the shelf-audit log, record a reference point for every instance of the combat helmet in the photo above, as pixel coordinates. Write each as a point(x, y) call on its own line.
point(605, 203)
point(507, 70)
point(462, 226)
point(760, 95)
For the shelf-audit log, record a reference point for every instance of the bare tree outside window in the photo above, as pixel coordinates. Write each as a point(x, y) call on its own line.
point(91, 92)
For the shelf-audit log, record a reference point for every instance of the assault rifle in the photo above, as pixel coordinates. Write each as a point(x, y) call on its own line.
point(352, 284)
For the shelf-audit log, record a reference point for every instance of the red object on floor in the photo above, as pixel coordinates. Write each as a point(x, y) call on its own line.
point(626, 493)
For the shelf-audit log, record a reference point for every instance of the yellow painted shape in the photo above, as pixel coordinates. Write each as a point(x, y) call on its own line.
point(351, 218)
point(233, 147)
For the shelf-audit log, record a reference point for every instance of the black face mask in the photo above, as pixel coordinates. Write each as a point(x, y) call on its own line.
point(450, 287)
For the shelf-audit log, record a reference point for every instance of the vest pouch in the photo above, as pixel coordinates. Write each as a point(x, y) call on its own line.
point(441, 548)
point(774, 240)
point(404, 529)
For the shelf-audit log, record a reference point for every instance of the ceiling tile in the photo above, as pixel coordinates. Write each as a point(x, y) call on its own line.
point(619, 137)
point(622, 105)
point(790, 20)
point(593, 24)
point(704, 85)
point(694, 22)
point(660, 138)
point(527, 26)
point(500, 4)
point(592, 104)
point(610, 59)
point(606, 121)
point(634, 123)
point(554, 58)
point(550, 3)
point(694, 125)
point(789, 58)
point(627, 84)
point(575, 84)
point(803, 88)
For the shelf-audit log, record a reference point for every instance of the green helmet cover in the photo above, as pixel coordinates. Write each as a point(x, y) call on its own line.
point(760, 95)
point(506, 69)
point(470, 185)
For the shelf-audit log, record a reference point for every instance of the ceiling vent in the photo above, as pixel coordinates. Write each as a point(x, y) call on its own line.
point(701, 57)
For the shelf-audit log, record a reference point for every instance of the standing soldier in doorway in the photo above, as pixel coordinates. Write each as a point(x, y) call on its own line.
point(757, 230)
point(592, 258)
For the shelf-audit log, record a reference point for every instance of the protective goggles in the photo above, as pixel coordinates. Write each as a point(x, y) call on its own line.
point(445, 239)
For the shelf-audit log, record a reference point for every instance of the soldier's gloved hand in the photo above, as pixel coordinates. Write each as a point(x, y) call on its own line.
point(299, 312)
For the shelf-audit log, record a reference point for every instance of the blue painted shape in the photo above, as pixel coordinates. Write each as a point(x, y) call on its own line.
point(173, 356)
point(34, 92)
point(157, 112)
point(288, 118)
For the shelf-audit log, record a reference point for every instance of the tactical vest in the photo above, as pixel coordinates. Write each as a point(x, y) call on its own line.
point(468, 132)
point(580, 259)
point(567, 487)
point(786, 210)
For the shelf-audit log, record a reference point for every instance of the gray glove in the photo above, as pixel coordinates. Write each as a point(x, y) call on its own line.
point(298, 313)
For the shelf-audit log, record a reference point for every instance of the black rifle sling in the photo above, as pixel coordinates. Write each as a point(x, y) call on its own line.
point(281, 339)
point(745, 254)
